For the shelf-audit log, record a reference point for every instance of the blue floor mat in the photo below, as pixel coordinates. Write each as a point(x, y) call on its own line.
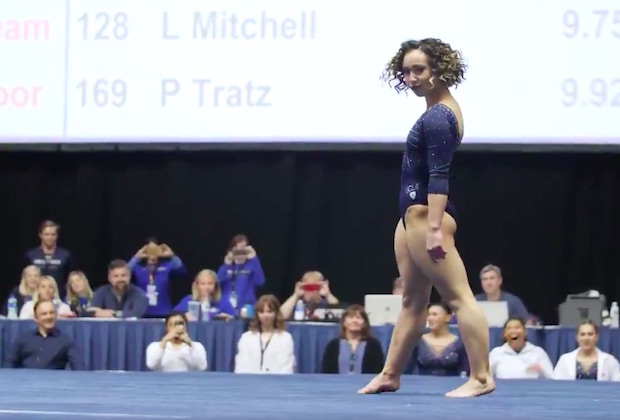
point(30, 394)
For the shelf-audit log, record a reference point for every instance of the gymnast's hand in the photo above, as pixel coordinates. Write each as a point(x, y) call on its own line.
point(434, 247)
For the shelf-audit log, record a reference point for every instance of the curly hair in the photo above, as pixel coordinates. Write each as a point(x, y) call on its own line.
point(445, 63)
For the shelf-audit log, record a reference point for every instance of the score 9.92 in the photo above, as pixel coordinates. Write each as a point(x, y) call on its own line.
point(591, 23)
point(595, 92)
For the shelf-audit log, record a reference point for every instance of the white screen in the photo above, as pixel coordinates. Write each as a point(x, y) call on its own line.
point(301, 71)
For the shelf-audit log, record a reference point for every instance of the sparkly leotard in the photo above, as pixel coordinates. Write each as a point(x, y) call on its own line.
point(590, 373)
point(450, 361)
point(431, 143)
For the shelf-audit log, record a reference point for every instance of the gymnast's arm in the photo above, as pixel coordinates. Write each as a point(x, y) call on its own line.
point(441, 143)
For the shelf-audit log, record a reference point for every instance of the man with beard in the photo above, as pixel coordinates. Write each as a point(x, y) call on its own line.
point(119, 299)
point(45, 347)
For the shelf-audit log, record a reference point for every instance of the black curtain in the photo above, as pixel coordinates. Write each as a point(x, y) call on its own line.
point(550, 221)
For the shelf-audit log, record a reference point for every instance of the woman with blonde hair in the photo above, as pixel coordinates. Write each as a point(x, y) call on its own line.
point(266, 347)
point(31, 275)
point(46, 290)
point(206, 289)
point(79, 293)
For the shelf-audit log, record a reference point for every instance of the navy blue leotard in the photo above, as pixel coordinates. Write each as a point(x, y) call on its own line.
point(431, 143)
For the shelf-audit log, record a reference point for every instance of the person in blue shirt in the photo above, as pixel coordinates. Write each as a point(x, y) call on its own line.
point(491, 281)
point(205, 288)
point(45, 347)
point(151, 268)
point(241, 273)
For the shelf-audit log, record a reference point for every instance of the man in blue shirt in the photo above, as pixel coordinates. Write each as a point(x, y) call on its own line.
point(491, 280)
point(119, 299)
point(46, 347)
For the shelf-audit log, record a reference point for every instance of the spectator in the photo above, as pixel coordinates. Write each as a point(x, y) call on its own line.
point(176, 352)
point(266, 347)
point(119, 299)
point(151, 268)
point(518, 358)
point(206, 289)
point(79, 293)
point(51, 259)
point(491, 280)
point(587, 361)
point(31, 275)
point(355, 350)
point(315, 293)
point(46, 347)
point(46, 290)
point(439, 352)
point(240, 274)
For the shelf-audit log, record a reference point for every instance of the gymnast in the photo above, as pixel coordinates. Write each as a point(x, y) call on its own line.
point(424, 243)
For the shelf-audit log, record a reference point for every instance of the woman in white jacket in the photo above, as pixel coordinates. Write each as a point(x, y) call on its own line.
point(267, 347)
point(176, 352)
point(518, 358)
point(587, 361)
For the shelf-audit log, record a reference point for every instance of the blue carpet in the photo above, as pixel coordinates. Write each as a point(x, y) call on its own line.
point(28, 394)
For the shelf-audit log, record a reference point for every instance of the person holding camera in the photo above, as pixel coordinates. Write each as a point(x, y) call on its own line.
point(240, 274)
point(176, 352)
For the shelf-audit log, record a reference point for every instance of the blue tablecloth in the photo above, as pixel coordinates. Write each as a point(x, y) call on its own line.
point(121, 345)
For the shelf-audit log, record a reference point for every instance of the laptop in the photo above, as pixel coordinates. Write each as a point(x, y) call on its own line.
point(382, 309)
point(496, 312)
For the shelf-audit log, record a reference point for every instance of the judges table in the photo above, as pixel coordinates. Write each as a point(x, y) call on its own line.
point(121, 345)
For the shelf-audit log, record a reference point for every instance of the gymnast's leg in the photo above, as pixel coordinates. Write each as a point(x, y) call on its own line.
point(411, 319)
point(450, 279)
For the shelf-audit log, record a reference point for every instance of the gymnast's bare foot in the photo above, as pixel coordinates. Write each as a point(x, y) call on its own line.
point(383, 382)
point(474, 387)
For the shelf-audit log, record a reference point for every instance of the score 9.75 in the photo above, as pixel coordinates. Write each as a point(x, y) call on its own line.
point(591, 23)
point(595, 92)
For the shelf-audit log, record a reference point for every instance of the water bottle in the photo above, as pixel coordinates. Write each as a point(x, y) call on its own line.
point(206, 310)
point(12, 308)
point(193, 307)
point(300, 310)
point(614, 311)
